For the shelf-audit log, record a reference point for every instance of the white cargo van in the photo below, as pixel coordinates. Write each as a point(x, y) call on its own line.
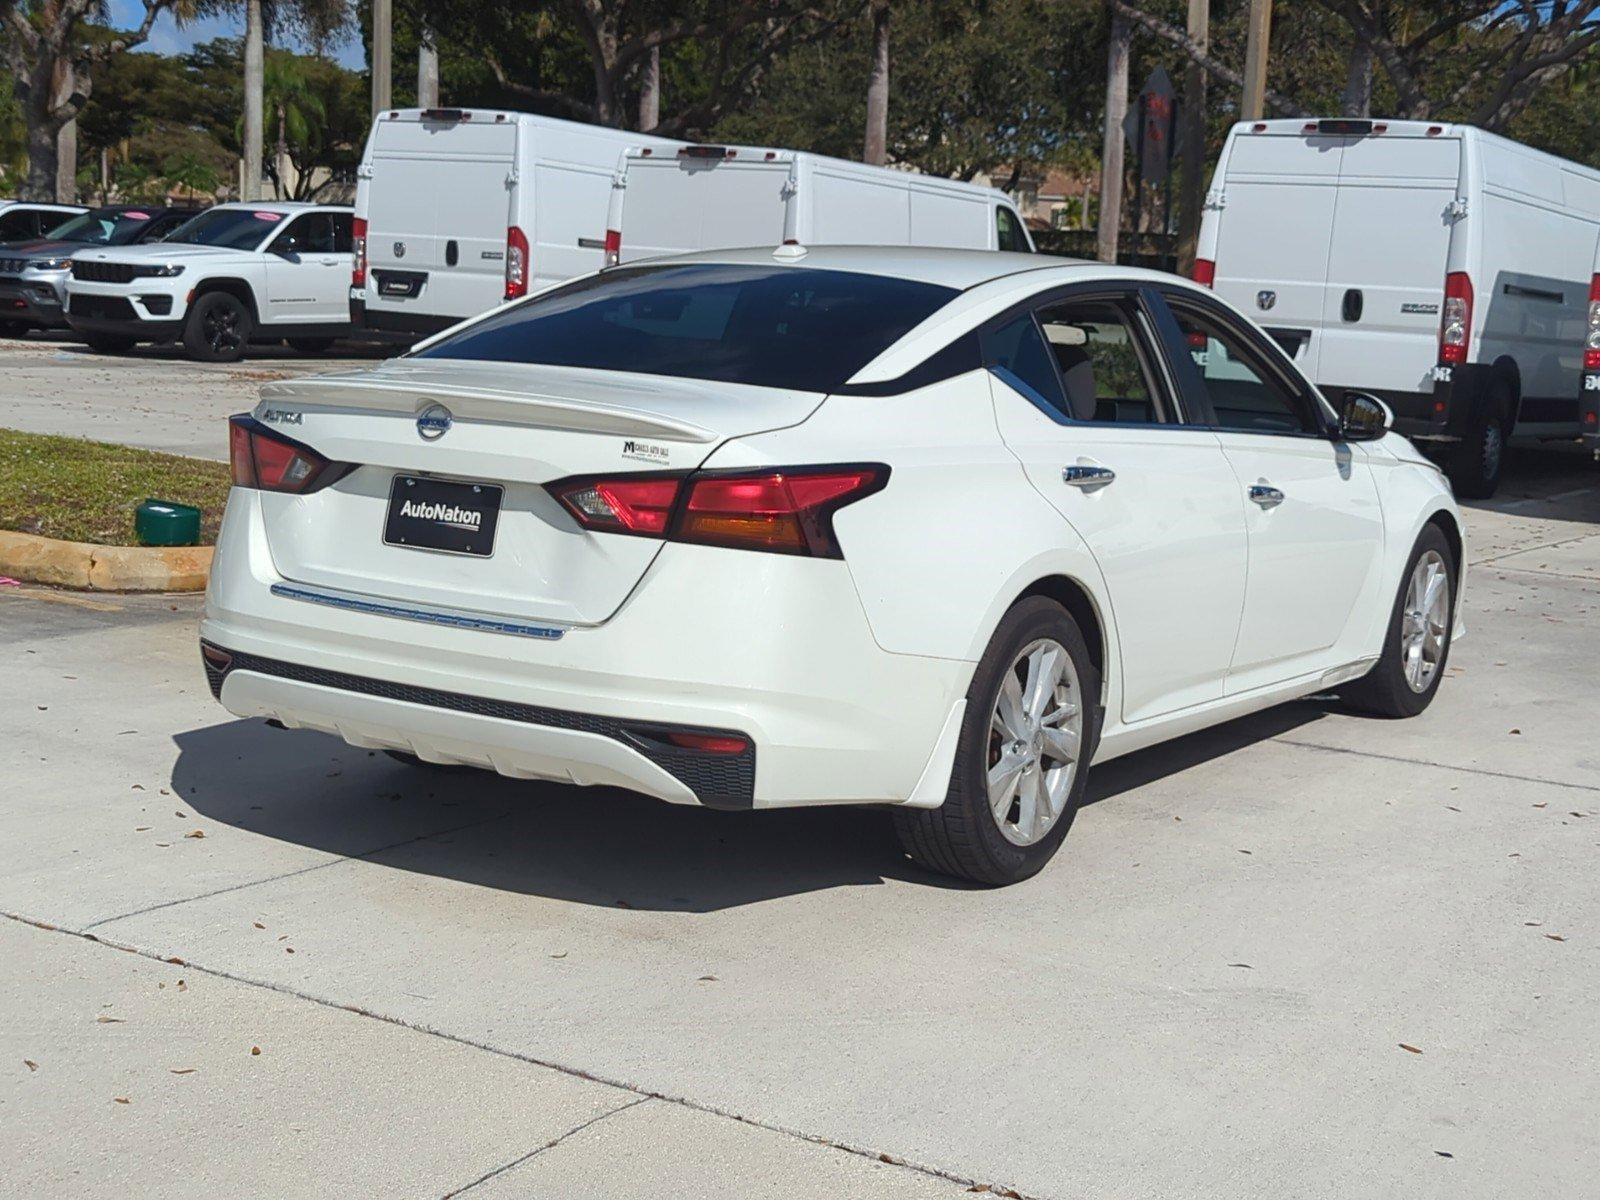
point(1589, 396)
point(1439, 267)
point(715, 197)
point(458, 210)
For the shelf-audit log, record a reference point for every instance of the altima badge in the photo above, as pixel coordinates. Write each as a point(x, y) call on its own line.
point(434, 422)
point(1266, 299)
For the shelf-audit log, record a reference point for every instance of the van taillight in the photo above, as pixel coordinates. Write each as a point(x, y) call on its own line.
point(1204, 272)
point(265, 459)
point(1455, 323)
point(788, 511)
point(613, 247)
point(516, 263)
point(358, 244)
point(1591, 339)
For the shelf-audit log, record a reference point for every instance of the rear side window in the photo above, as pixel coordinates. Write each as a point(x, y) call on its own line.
point(1017, 353)
point(781, 327)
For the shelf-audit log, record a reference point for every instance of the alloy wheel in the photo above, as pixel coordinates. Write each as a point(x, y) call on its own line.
point(1035, 742)
point(1425, 621)
point(222, 329)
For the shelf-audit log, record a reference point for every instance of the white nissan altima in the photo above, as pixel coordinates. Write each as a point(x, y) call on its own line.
point(923, 528)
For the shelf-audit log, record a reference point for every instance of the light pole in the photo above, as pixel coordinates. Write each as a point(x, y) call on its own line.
point(1255, 61)
point(382, 54)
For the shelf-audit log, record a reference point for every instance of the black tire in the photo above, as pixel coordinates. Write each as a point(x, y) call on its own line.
point(14, 329)
point(1385, 691)
point(1476, 464)
point(218, 328)
point(310, 345)
point(110, 343)
point(963, 836)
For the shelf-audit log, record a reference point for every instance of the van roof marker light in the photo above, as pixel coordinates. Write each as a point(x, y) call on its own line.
point(1259, 127)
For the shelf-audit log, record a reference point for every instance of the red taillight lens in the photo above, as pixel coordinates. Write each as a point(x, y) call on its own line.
point(263, 459)
point(1591, 337)
point(613, 247)
point(786, 512)
point(1455, 322)
point(1204, 272)
point(708, 743)
point(516, 263)
point(358, 244)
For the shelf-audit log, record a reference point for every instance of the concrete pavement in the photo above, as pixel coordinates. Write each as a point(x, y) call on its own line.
point(1305, 954)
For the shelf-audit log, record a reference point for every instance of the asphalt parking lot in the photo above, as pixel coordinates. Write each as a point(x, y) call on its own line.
point(1303, 954)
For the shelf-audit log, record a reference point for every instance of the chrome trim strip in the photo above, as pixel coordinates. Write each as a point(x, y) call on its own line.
point(427, 616)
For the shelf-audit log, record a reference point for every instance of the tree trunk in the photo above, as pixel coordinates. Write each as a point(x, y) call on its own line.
point(1194, 139)
point(876, 151)
point(1257, 50)
point(650, 92)
point(1111, 164)
point(254, 76)
point(1358, 82)
point(67, 163)
point(280, 179)
point(41, 184)
point(427, 69)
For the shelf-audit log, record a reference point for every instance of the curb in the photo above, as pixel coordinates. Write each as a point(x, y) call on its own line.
point(83, 565)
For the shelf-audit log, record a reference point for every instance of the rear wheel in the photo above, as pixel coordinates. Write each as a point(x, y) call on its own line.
point(1476, 463)
point(218, 328)
point(310, 345)
point(1021, 764)
point(110, 343)
point(1416, 646)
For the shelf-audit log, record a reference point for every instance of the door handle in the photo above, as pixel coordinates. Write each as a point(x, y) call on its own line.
point(1086, 477)
point(1265, 495)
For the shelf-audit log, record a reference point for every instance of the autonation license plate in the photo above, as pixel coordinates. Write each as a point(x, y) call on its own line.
point(440, 514)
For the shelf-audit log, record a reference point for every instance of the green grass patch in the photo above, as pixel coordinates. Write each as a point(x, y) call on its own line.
point(86, 491)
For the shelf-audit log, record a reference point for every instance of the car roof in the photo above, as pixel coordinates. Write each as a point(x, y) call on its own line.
point(959, 269)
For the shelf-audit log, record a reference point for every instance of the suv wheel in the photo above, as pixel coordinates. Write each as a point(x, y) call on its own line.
point(218, 328)
point(1031, 726)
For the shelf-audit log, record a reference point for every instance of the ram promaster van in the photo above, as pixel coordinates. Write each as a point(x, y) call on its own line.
point(715, 197)
point(1589, 396)
point(1442, 268)
point(458, 210)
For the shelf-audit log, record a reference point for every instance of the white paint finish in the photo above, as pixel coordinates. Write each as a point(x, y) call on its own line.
point(1315, 559)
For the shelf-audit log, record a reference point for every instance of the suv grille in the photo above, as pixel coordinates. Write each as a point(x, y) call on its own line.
point(102, 272)
point(101, 308)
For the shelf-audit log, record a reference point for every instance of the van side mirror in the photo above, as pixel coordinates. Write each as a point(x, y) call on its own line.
point(1365, 418)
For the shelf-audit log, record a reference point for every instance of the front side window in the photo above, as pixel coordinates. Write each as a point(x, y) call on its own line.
point(1103, 369)
point(1245, 395)
point(785, 327)
point(232, 228)
point(1008, 231)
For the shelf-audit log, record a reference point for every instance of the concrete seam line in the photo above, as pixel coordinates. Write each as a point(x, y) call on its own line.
point(1494, 558)
point(555, 1141)
point(1548, 574)
point(1427, 762)
point(517, 1056)
point(322, 866)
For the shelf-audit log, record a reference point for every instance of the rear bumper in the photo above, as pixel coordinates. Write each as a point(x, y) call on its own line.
point(413, 326)
point(772, 648)
point(1589, 410)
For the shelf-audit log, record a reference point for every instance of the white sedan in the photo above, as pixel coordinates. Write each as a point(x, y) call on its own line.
point(924, 528)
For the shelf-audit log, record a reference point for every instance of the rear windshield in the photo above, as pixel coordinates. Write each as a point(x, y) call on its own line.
point(781, 327)
point(102, 227)
point(233, 228)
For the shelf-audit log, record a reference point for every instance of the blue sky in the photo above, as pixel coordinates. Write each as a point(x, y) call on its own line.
point(167, 38)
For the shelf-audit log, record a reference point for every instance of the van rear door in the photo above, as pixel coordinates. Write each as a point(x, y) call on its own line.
point(700, 200)
point(1272, 239)
point(437, 211)
point(1387, 261)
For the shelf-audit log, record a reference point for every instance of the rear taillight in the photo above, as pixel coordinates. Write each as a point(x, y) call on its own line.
point(1591, 338)
point(1455, 322)
point(516, 263)
point(358, 244)
point(264, 459)
point(786, 512)
point(1204, 272)
point(613, 247)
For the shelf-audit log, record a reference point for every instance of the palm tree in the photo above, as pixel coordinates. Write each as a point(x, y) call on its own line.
point(298, 110)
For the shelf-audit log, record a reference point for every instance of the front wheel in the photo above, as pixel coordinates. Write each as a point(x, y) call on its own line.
point(1416, 646)
point(218, 328)
point(1022, 762)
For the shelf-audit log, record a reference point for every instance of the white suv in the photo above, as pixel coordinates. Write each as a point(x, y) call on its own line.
point(234, 274)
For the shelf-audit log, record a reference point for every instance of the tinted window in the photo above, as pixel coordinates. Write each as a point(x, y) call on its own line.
point(235, 228)
point(1103, 370)
point(1017, 353)
point(15, 226)
point(312, 233)
point(158, 229)
point(772, 326)
point(103, 227)
point(1008, 231)
point(343, 241)
point(1244, 394)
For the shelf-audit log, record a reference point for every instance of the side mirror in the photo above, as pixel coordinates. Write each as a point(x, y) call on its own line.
point(1365, 418)
point(286, 247)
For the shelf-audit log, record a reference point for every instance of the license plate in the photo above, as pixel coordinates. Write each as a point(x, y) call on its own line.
point(398, 287)
point(441, 514)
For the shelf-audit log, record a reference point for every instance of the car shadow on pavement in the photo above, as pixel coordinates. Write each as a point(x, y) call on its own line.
point(598, 846)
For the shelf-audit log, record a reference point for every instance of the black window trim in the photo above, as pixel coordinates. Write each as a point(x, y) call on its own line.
point(1156, 355)
point(1267, 354)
